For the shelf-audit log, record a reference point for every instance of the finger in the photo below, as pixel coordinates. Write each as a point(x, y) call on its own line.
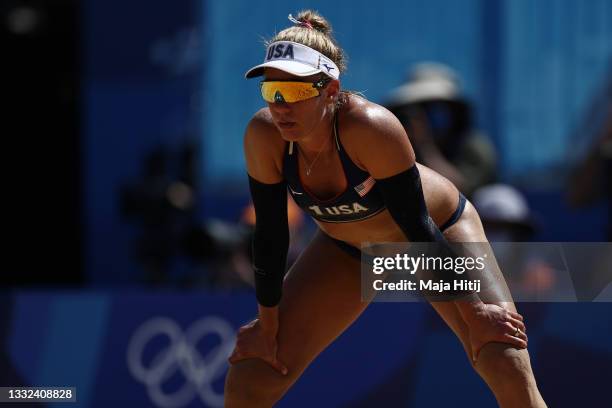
point(523, 336)
point(515, 315)
point(509, 328)
point(519, 324)
point(517, 333)
point(515, 341)
point(512, 330)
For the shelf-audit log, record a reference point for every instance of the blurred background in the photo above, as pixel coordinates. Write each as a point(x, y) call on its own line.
point(125, 261)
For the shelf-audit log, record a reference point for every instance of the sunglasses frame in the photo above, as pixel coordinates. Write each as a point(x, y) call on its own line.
point(318, 85)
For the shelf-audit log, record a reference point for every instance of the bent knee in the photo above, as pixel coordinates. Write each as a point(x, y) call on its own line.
point(252, 383)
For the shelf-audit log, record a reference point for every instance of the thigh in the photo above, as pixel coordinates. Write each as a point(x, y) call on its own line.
point(468, 229)
point(321, 298)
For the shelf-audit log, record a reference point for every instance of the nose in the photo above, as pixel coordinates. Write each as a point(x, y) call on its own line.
point(280, 107)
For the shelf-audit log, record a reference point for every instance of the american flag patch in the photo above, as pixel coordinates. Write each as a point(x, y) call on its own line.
point(363, 188)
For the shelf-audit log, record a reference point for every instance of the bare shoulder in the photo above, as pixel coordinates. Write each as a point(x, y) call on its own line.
point(375, 138)
point(263, 148)
point(261, 130)
point(367, 120)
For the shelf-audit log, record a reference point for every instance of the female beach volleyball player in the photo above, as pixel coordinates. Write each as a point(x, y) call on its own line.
point(349, 164)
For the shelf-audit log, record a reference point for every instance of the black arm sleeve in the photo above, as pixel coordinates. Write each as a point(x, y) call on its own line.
point(270, 240)
point(403, 196)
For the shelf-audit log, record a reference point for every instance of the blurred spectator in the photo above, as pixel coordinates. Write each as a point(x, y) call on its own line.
point(438, 120)
point(173, 246)
point(162, 204)
point(229, 262)
point(223, 252)
point(508, 222)
point(592, 179)
point(504, 213)
point(590, 182)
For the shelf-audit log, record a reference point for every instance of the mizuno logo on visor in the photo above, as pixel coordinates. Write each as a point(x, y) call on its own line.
point(328, 67)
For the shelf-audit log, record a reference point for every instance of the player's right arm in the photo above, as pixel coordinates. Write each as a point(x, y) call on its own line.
point(264, 149)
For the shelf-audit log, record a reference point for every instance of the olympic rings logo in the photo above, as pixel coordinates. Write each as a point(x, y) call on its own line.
point(181, 355)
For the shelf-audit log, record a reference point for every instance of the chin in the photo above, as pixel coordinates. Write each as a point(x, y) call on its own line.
point(290, 135)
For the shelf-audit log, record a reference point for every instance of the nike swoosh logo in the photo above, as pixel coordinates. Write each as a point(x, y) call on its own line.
point(294, 192)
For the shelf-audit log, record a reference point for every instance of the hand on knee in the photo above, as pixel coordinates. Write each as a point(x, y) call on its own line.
point(491, 323)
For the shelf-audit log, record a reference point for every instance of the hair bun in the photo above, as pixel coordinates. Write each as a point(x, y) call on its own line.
point(314, 31)
point(314, 20)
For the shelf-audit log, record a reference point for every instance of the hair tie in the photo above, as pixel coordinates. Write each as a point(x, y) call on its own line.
point(300, 23)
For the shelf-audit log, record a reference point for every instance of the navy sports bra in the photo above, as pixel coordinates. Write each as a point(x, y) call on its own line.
point(359, 201)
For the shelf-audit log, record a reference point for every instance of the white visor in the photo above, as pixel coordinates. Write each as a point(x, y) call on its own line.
point(296, 59)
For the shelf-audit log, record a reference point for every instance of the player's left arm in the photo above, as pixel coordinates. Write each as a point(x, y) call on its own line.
point(384, 149)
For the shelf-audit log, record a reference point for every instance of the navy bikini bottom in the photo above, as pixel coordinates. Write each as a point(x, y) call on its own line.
point(356, 253)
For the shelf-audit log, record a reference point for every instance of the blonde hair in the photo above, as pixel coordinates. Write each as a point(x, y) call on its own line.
point(314, 31)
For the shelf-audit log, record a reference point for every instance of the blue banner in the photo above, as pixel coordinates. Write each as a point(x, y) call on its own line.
point(169, 349)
